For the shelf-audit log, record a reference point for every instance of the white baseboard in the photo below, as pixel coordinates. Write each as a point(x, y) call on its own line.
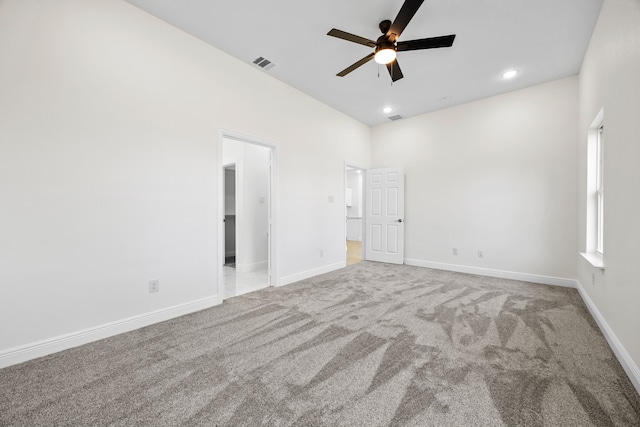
point(245, 268)
point(621, 353)
point(311, 273)
point(525, 277)
point(45, 347)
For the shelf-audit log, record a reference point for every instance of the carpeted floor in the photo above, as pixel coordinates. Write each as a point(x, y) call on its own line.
point(369, 345)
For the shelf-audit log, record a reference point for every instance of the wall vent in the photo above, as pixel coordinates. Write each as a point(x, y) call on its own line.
point(396, 117)
point(263, 63)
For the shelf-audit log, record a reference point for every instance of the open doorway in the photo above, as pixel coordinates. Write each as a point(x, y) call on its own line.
point(354, 208)
point(230, 215)
point(246, 245)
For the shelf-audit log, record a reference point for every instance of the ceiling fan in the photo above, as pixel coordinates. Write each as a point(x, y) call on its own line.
point(387, 45)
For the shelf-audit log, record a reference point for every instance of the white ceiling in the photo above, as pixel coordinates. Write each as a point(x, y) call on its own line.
point(543, 39)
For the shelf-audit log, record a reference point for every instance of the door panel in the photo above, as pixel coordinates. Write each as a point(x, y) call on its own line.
point(385, 216)
point(392, 239)
point(392, 201)
point(375, 238)
point(376, 200)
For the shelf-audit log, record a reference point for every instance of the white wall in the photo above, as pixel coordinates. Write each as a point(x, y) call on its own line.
point(255, 206)
point(609, 79)
point(109, 122)
point(497, 175)
point(354, 181)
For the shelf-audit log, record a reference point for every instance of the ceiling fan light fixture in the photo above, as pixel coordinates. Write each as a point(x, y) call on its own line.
point(386, 46)
point(385, 54)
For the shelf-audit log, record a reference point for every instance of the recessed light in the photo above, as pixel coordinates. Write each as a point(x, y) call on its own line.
point(387, 110)
point(445, 99)
point(509, 74)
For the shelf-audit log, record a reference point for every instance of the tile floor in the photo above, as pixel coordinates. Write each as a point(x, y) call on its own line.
point(236, 283)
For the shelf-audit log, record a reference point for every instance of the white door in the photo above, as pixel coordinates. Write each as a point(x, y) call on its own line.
point(385, 216)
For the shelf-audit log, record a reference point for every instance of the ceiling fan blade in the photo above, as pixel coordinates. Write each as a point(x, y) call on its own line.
point(408, 9)
point(394, 70)
point(429, 43)
point(351, 37)
point(356, 65)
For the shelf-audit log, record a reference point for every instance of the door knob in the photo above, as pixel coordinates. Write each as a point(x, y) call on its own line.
point(398, 220)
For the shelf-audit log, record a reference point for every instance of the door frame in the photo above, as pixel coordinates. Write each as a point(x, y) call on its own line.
point(364, 205)
point(274, 148)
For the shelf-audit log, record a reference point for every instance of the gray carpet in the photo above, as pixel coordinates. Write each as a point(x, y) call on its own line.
point(369, 345)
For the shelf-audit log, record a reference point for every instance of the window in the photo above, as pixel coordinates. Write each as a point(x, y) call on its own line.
point(594, 251)
point(599, 191)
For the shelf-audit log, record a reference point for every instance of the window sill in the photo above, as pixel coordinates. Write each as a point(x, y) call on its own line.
point(594, 259)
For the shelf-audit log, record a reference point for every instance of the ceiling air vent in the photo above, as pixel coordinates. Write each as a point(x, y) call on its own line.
point(264, 63)
point(396, 117)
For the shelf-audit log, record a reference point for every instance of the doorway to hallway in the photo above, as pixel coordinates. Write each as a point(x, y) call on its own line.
point(374, 215)
point(246, 238)
point(354, 208)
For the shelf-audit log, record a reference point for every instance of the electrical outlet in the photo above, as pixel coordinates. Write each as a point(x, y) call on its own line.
point(455, 251)
point(480, 254)
point(154, 286)
point(321, 253)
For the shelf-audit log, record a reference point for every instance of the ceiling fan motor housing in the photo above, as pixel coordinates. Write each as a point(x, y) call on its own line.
point(384, 43)
point(384, 26)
